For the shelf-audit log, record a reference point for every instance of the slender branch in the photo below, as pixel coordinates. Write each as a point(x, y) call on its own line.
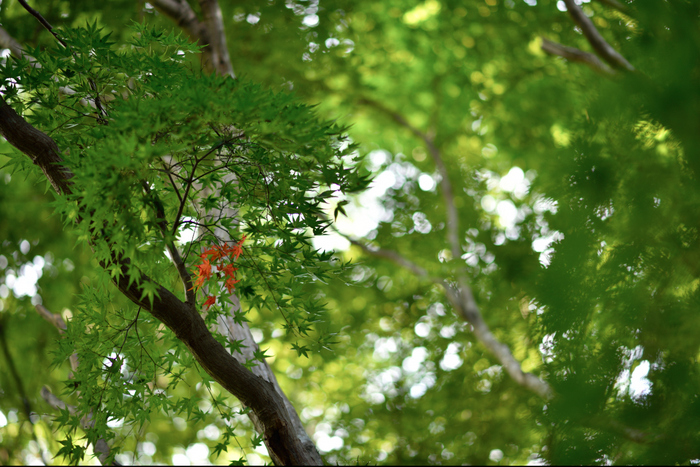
point(599, 44)
point(175, 257)
point(60, 324)
point(463, 301)
point(42, 20)
point(26, 405)
point(87, 422)
point(393, 256)
point(613, 426)
point(172, 182)
point(447, 191)
point(575, 55)
point(616, 5)
point(53, 318)
point(101, 446)
point(9, 42)
point(183, 200)
point(467, 307)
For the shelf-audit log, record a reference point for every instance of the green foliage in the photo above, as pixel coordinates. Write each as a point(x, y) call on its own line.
point(161, 136)
point(590, 281)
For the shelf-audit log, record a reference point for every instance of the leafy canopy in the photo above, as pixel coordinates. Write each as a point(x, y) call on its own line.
point(166, 148)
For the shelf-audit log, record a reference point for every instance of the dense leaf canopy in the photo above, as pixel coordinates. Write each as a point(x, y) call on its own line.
point(562, 196)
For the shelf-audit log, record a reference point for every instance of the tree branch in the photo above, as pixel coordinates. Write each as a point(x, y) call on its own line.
point(461, 297)
point(575, 55)
point(447, 191)
point(599, 44)
point(26, 405)
point(209, 33)
point(463, 301)
point(175, 257)
point(184, 16)
point(57, 321)
point(274, 422)
point(101, 447)
point(42, 20)
point(217, 37)
point(87, 422)
point(53, 318)
point(471, 314)
point(40, 148)
point(9, 42)
point(613, 426)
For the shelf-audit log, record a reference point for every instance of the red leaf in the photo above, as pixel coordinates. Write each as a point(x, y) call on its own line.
point(209, 302)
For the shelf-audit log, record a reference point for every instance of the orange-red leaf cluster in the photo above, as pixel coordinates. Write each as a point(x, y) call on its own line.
point(216, 256)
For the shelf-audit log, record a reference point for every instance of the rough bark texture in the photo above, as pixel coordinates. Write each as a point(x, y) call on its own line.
point(40, 148)
point(285, 444)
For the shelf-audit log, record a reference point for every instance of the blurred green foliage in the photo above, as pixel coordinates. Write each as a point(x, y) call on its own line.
point(578, 201)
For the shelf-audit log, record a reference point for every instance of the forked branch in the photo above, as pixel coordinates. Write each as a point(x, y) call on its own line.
point(594, 38)
point(575, 55)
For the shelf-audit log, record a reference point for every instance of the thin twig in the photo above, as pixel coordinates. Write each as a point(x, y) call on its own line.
point(182, 271)
point(463, 301)
point(86, 422)
point(599, 44)
point(172, 182)
point(447, 191)
point(190, 182)
point(42, 20)
point(96, 100)
point(575, 55)
point(26, 405)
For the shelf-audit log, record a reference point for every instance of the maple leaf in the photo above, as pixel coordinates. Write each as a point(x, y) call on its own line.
point(237, 249)
point(229, 270)
point(202, 273)
point(204, 269)
point(213, 251)
point(230, 284)
point(210, 301)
